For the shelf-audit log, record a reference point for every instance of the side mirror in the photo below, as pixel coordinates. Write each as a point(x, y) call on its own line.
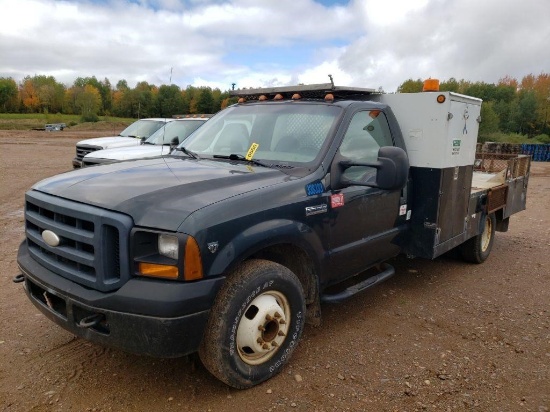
point(142, 140)
point(174, 143)
point(392, 169)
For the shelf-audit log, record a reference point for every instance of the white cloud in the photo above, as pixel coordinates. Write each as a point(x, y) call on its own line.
point(368, 43)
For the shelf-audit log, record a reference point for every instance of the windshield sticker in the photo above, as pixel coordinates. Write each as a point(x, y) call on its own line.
point(402, 210)
point(337, 200)
point(314, 188)
point(251, 150)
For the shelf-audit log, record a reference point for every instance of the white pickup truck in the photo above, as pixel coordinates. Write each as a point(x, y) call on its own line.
point(131, 136)
point(159, 143)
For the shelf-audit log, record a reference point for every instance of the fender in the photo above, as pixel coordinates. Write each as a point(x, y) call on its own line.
point(265, 234)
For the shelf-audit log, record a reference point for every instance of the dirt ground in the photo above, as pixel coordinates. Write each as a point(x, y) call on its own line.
point(440, 335)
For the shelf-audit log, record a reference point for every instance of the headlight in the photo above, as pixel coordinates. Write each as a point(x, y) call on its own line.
point(166, 255)
point(168, 246)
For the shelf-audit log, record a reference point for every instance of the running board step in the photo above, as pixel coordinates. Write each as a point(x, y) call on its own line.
point(387, 272)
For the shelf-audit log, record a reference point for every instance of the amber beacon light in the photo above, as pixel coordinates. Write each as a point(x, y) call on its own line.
point(431, 85)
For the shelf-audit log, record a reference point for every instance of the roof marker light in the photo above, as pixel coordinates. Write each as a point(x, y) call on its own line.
point(296, 96)
point(278, 96)
point(242, 100)
point(329, 97)
point(262, 98)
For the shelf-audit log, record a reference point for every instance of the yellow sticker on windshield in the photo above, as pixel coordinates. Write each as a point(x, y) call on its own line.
point(251, 150)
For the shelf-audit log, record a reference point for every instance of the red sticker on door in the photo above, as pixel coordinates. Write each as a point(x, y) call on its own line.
point(337, 200)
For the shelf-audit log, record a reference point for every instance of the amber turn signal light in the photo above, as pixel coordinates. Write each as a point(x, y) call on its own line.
point(158, 271)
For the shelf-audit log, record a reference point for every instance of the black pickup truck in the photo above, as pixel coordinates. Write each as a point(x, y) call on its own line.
point(230, 244)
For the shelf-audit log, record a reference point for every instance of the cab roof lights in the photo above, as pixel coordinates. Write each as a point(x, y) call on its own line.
point(311, 91)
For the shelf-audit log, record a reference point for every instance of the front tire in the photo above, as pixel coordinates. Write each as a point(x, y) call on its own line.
point(254, 325)
point(478, 248)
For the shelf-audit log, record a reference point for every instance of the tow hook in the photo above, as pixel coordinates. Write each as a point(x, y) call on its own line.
point(18, 278)
point(91, 321)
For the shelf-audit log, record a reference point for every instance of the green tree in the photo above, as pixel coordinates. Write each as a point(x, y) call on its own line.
point(489, 120)
point(450, 85)
point(8, 94)
point(169, 101)
point(526, 115)
point(411, 86)
point(88, 100)
point(205, 102)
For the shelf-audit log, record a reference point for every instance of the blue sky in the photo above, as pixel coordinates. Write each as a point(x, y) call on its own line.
point(253, 43)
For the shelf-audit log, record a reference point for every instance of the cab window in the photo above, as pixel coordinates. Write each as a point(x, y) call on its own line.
point(367, 132)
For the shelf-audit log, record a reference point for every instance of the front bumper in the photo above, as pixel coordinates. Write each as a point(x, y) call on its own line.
point(145, 316)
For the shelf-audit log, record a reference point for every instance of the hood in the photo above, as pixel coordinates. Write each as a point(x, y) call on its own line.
point(133, 152)
point(110, 142)
point(160, 193)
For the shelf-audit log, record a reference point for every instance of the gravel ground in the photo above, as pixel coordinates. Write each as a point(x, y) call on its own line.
point(440, 335)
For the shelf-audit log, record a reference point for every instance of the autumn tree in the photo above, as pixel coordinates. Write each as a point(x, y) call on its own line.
point(29, 96)
point(104, 89)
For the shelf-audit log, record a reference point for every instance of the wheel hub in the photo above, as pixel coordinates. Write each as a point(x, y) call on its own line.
point(263, 327)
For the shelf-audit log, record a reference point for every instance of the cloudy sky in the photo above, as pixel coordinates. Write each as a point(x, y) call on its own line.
point(367, 43)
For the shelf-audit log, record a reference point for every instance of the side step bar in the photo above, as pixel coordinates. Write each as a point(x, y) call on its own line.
point(387, 272)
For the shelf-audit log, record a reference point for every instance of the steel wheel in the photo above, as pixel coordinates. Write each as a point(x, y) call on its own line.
point(263, 327)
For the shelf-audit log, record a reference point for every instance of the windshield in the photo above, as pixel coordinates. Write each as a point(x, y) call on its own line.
point(178, 128)
point(279, 133)
point(142, 128)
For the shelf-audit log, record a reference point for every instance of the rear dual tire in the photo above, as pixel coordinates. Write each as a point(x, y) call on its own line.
point(478, 248)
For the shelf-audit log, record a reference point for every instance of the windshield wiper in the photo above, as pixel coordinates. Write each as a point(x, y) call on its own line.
point(188, 152)
point(234, 156)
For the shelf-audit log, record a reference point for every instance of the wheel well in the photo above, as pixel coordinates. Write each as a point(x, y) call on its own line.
point(298, 261)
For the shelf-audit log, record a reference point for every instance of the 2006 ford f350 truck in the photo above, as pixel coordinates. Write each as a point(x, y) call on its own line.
point(230, 244)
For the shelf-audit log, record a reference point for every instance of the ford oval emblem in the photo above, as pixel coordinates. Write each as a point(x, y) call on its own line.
point(50, 238)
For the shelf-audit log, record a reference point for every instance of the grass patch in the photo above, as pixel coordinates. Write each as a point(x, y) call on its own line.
point(26, 121)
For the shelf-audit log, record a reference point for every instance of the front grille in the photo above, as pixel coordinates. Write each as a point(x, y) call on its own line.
point(83, 150)
point(93, 249)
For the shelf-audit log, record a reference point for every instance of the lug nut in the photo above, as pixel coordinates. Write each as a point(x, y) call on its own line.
point(277, 315)
point(265, 346)
point(268, 317)
point(282, 322)
point(274, 344)
point(281, 333)
point(260, 341)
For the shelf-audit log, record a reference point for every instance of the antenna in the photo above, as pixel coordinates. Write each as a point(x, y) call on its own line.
point(331, 81)
point(170, 76)
point(234, 84)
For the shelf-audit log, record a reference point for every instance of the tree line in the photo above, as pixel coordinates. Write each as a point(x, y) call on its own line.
point(509, 106)
point(91, 98)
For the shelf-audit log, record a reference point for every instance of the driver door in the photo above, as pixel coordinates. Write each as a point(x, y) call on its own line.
point(364, 220)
